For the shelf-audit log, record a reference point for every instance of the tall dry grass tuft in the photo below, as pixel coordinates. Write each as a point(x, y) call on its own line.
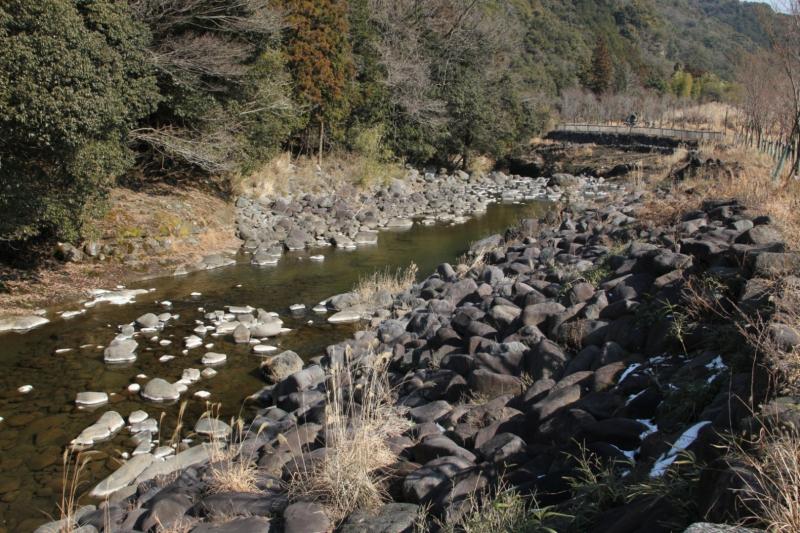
point(369, 288)
point(71, 478)
point(360, 417)
point(232, 470)
point(772, 492)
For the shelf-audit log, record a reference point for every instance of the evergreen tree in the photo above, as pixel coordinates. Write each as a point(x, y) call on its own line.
point(321, 62)
point(602, 68)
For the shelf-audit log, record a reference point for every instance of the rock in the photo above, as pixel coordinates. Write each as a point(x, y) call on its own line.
point(120, 351)
point(160, 390)
point(366, 237)
point(281, 366)
point(705, 527)
point(774, 264)
point(91, 398)
point(504, 448)
point(760, 235)
point(492, 384)
point(391, 518)
point(213, 358)
point(149, 320)
point(21, 323)
point(266, 328)
point(418, 485)
point(252, 524)
point(399, 223)
point(123, 476)
point(212, 427)
point(345, 317)
point(137, 417)
point(430, 412)
point(306, 517)
point(547, 360)
point(241, 335)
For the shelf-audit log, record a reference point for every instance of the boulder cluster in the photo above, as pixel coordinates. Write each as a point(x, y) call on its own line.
point(567, 336)
point(348, 218)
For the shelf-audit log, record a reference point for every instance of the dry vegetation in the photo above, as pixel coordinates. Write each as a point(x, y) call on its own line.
point(369, 289)
point(772, 493)
point(349, 476)
point(230, 469)
point(285, 175)
point(167, 212)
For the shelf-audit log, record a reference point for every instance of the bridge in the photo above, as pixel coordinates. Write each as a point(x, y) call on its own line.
point(636, 131)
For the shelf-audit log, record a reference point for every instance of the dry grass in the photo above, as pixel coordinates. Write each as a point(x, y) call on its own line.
point(370, 287)
point(783, 365)
point(167, 212)
point(287, 175)
point(71, 479)
point(356, 432)
point(230, 470)
point(747, 177)
point(772, 494)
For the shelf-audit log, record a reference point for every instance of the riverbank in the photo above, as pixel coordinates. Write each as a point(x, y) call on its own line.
point(143, 235)
point(596, 326)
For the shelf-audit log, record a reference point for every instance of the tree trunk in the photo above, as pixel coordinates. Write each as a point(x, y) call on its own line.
point(321, 136)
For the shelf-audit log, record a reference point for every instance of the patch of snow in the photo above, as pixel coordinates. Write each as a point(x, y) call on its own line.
point(684, 441)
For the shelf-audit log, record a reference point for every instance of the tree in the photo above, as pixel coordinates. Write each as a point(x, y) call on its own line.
point(226, 93)
point(602, 68)
point(320, 60)
point(73, 80)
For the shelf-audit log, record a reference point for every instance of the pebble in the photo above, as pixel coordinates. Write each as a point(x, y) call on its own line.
point(62, 350)
point(317, 258)
point(134, 388)
point(193, 341)
point(208, 373)
point(202, 394)
point(166, 358)
point(164, 342)
point(196, 294)
point(25, 389)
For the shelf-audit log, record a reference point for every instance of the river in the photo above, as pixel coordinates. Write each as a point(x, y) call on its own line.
point(39, 425)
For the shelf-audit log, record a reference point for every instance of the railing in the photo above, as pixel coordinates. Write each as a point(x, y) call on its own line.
point(684, 135)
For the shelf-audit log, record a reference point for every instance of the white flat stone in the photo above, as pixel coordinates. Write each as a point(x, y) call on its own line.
point(191, 375)
point(212, 358)
point(148, 425)
point(208, 373)
point(91, 398)
point(22, 324)
point(202, 394)
point(345, 317)
point(193, 341)
point(166, 358)
point(159, 390)
point(212, 427)
point(137, 416)
point(134, 388)
point(261, 349)
point(123, 476)
point(25, 389)
point(317, 258)
point(164, 342)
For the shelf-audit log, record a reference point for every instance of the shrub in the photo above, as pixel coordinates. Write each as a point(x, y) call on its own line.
point(73, 81)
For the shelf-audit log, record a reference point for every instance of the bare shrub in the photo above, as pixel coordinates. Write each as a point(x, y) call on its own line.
point(360, 416)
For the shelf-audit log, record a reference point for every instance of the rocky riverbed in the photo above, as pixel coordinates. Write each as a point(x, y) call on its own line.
point(349, 218)
point(570, 334)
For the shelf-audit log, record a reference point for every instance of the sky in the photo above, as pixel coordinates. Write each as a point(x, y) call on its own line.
point(777, 4)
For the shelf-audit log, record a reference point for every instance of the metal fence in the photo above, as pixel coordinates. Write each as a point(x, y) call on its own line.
point(683, 135)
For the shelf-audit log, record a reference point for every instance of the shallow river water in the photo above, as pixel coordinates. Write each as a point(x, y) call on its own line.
point(38, 426)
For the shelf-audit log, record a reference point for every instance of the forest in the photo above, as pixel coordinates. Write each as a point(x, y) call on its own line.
point(99, 92)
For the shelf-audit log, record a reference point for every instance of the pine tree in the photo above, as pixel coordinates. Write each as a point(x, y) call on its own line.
point(602, 69)
point(320, 59)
